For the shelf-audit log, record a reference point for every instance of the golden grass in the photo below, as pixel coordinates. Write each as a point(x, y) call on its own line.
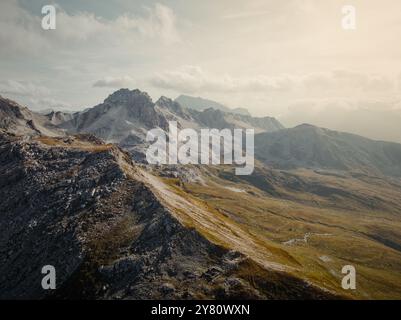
point(272, 221)
point(75, 144)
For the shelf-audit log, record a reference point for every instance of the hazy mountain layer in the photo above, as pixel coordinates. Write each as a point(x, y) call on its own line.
point(201, 104)
point(379, 124)
point(307, 146)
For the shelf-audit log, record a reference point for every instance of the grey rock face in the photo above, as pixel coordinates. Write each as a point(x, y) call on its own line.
point(46, 194)
point(58, 117)
point(117, 114)
point(20, 120)
point(174, 107)
point(126, 116)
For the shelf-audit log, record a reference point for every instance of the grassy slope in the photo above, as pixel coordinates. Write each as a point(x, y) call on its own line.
point(334, 236)
point(340, 229)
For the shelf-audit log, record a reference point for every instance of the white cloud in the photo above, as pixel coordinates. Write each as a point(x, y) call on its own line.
point(19, 30)
point(157, 22)
point(348, 81)
point(193, 79)
point(22, 33)
point(111, 82)
point(49, 103)
point(399, 82)
point(245, 14)
point(31, 94)
point(22, 88)
point(84, 48)
point(160, 22)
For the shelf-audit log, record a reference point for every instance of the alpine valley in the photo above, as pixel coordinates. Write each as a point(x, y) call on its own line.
point(77, 193)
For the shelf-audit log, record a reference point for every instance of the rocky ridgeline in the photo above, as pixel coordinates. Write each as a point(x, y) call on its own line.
point(126, 116)
point(49, 197)
point(17, 119)
point(78, 204)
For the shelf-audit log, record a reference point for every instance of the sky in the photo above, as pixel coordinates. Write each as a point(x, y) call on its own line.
point(291, 59)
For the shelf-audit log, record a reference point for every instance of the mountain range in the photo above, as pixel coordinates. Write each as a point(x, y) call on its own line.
point(126, 115)
point(76, 193)
point(307, 146)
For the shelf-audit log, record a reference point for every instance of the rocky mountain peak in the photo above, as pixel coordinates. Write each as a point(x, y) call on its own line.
point(172, 106)
point(58, 117)
point(164, 101)
point(213, 113)
point(129, 97)
point(10, 108)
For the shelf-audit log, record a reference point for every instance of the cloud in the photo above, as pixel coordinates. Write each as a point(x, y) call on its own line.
point(22, 88)
point(160, 22)
point(31, 94)
point(193, 79)
point(84, 48)
point(49, 103)
point(245, 15)
point(111, 82)
point(21, 32)
point(157, 22)
point(399, 82)
point(348, 81)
